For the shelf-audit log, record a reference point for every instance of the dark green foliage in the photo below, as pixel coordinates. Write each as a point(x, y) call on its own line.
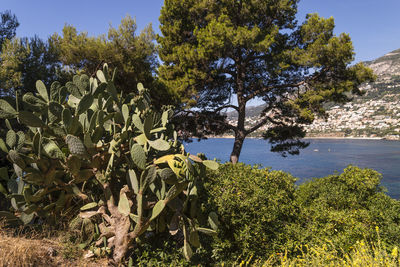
point(255, 207)
point(23, 61)
point(158, 252)
point(131, 53)
point(8, 26)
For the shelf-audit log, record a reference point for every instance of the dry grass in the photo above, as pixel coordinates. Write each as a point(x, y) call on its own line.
point(20, 251)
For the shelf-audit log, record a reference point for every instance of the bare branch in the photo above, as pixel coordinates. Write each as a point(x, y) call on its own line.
point(268, 88)
point(226, 106)
point(263, 122)
point(224, 123)
point(257, 126)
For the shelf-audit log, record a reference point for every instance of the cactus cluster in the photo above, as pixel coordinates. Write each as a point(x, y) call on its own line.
point(113, 155)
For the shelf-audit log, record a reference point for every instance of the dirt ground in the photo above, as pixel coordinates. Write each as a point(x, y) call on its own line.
point(20, 251)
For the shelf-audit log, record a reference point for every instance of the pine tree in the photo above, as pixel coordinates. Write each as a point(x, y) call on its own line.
point(8, 26)
point(213, 51)
point(132, 55)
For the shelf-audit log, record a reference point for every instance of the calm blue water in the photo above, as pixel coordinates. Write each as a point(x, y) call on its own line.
point(332, 155)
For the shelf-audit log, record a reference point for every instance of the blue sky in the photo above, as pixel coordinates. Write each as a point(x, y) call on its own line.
point(374, 26)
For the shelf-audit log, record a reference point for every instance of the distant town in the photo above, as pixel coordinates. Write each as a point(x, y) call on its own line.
point(375, 114)
point(369, 119)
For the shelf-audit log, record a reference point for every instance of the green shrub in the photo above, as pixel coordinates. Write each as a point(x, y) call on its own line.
point(343, 209)
point(263, 212)
point(255, 207)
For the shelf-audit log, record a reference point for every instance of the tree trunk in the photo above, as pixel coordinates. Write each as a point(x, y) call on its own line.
point(237, 146)
point(121, 242)
point(120, 225)
point(240, 133)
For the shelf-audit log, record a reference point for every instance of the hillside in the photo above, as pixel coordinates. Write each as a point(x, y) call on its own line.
point(375, 114)
point(386, 65)
point(251, 111)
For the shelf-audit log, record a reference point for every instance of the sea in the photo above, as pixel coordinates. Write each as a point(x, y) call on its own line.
point(321, 158)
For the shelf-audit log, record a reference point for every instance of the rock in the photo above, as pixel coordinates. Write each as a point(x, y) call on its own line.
point(89, 254)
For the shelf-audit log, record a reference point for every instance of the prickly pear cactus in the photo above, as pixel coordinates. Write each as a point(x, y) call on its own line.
point(112, 155)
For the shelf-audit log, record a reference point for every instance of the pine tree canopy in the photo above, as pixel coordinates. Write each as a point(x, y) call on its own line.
point(214, 51)
point(8, 26)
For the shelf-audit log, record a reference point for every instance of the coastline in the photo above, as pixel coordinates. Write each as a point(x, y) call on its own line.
point(315, 137)
point(345, 137)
